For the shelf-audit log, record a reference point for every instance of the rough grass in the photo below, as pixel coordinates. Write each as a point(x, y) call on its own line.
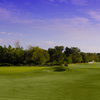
point(80, 82)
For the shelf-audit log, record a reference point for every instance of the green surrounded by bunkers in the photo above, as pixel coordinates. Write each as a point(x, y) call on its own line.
point(79, 82)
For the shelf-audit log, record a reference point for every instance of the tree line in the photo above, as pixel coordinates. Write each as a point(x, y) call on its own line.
point(37, 56)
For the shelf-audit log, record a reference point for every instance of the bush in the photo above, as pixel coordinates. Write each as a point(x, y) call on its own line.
point(5, 64)
point(51, 64)
point(60, 68)
point(19, 64)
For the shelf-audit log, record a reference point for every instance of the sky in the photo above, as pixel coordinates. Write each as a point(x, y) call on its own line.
point(48, 23)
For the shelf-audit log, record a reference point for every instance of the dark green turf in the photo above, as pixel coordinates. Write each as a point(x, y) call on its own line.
point(80, 82)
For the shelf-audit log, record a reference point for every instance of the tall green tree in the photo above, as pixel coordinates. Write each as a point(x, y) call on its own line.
point(36, 56)
point(67, 51)
point(85, 57)
point(56, 55)
point(76, 56)
point(59, 48)
point(73, 54)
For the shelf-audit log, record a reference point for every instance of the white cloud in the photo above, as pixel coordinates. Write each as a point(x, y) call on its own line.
point(95, 14)
point(63, 0)
point(9, 33)
point(1, 40)
point(4, 13)
point(75, 2)
point(92, 49)
point(4, 41)
point(46, 45)
point(20, 34)
point(2, 32)
point(14, 15)
point(79, 2)
point(79, 20)
point(59, 0)
point(52, 24)
point(15, 34)
point(52, 0)
point(61, 24)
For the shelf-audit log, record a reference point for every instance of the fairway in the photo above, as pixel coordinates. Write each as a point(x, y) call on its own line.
point(17, 70)
point(80, 82)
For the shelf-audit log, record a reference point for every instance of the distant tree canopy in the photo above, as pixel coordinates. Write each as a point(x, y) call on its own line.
point(56, 55)
point(37, 56)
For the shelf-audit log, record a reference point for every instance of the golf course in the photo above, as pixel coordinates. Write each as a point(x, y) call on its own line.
point(78, 82)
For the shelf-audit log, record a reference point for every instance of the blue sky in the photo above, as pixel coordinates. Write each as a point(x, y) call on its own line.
point(47, 23)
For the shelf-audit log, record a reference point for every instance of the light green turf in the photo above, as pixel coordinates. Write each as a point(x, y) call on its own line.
point(16, 70)
point(80, 82)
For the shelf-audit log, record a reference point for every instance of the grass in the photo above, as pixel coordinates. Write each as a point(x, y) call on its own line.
point(17, 70)
point(80, 82)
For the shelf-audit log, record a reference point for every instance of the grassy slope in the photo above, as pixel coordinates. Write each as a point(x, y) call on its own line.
point(81, 82)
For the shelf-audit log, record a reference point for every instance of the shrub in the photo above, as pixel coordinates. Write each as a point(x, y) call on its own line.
point(5, 64)
point(51, 63)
